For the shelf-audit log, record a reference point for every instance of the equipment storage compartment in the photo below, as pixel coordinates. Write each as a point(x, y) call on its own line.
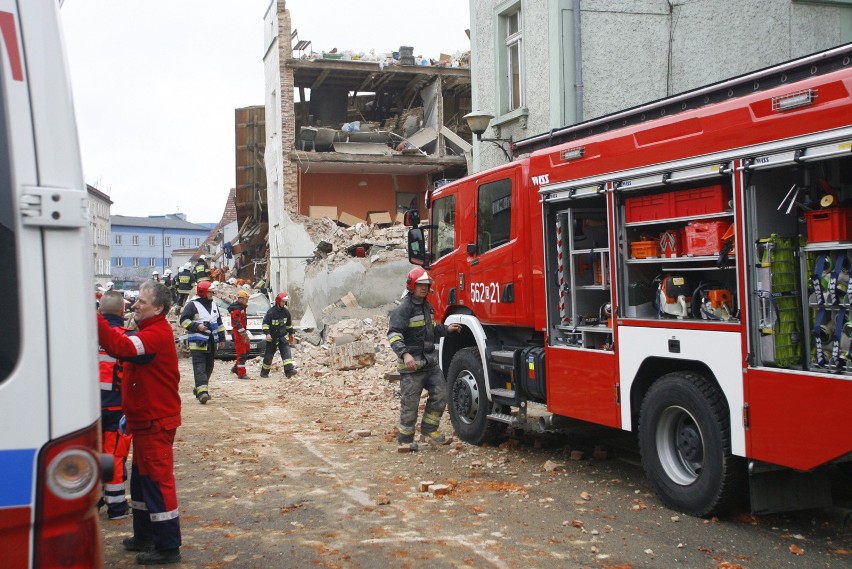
point(700, 201)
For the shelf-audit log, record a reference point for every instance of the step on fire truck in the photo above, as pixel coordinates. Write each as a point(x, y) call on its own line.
point(679, 270)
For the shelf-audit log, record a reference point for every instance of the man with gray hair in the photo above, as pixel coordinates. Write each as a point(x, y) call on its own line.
point(152, 408)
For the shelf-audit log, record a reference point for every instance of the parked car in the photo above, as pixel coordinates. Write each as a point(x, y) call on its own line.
point(258, 304)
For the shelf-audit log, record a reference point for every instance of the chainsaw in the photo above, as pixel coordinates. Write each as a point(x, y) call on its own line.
point(674, 296)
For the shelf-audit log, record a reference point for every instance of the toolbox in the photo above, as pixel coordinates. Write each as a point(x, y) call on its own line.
point(648, 208)
point(700, 201)
point(833, 224)
point(644, 249)
point(671, 243)
point(705, 238)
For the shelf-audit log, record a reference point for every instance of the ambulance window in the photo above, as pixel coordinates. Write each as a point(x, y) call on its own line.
point(10, 346)
point(494, 215)
point(444, 217)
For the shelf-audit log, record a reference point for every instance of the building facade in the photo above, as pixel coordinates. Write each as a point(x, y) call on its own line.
point(350, 137)
point(543, 64)
point(99, 223)
point(142, 245)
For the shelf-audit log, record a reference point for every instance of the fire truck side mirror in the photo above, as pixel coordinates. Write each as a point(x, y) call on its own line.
point(411, 218)
point(417, 247)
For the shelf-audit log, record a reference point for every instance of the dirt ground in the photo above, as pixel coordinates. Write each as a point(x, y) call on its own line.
point(304, 472)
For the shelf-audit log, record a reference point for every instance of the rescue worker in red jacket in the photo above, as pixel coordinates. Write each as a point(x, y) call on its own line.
point(278, 327)
point(239, 333)
point(152, 407)
point(201, 319)
point(115, 442)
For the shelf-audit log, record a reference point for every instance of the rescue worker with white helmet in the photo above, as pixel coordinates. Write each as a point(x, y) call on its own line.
point(200, 317)
point(278, 327)
point(201, 271)
point(412, 334)
point(183, 285)
point(155, 276)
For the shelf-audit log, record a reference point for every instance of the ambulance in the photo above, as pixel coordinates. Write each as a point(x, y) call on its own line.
point(50, 462)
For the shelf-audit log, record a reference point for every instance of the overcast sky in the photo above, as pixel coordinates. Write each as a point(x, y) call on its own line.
point(156, 83)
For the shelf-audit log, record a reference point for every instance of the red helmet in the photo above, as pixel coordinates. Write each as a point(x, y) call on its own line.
point(203, 288)
point(282, 297)
point(417, 275)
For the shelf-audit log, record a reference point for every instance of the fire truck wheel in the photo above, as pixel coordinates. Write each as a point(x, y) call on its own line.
point(468, 402)
point(685, 441)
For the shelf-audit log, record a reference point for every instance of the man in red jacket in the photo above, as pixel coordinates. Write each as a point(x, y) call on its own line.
point(152, 407)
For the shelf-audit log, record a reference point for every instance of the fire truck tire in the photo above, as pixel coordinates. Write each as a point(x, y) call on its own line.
point(467, 399)
point(685, 442)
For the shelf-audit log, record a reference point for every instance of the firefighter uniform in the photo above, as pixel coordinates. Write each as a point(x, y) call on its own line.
point(413, 330)
point(201, 272)
point(184, 286)
point(152, 408)
point(115, 442)
point(278, 327)
point(202, 345)
point(238, 329)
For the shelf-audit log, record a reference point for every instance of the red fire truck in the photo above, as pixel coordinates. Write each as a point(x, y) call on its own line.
point(678, 270)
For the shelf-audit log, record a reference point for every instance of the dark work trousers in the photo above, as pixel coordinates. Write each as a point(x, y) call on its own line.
point(202, 366)
point(411, 386)
point(283, 346)
point(181, 300)
point(153, 495)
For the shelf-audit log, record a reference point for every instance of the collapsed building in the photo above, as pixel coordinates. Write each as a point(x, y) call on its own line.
point(351, 141)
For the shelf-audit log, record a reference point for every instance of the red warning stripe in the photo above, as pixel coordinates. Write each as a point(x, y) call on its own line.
point(10, 40)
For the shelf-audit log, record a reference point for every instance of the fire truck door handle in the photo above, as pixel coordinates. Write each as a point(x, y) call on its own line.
point(508, 293)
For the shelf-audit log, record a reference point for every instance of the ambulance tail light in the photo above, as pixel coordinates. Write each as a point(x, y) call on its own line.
point(67, 528)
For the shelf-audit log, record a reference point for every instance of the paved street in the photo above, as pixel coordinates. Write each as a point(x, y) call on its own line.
point(305, 473)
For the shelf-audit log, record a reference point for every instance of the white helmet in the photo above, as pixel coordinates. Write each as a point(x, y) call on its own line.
point(187, 266)
point(155, 274)
point(167, 272)
point(203, 257)
point(232, 281)
point(213, 285)
point(110, 285)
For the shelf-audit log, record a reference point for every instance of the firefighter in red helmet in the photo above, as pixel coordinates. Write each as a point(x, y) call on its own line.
point(278, 327)
point(412, 334)
point(201, 319)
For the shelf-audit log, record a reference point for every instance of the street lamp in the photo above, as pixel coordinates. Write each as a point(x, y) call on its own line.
point(478, 122)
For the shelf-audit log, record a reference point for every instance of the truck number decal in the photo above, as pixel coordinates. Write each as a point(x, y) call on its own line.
point(484, 292)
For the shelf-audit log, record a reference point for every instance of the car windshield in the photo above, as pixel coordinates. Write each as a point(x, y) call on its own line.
point(257, 305)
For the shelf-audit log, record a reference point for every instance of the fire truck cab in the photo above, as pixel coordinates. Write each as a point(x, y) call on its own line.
point(50, 461)
point(679, 270)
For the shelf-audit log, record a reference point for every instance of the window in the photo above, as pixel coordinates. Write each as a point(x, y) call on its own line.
point(9, 290)
point(197, 241)
point(494, 215)
point(152, 262)
point(168, 241)
point(151, 240)
point(118, 238)
point(118, 262)
point(168, 263)
point(444, 217)
point(136, 240)
point(511, 25)
point(183, 241)
point(135, 261)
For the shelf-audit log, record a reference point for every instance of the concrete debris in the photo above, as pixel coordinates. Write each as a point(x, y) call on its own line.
point(353, 355)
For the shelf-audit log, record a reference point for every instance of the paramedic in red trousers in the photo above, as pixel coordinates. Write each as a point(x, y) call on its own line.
point(278, 327)
point(115, 442)
point(201, 319)
point(412, 334)
point(152, 408)
point(239, 333)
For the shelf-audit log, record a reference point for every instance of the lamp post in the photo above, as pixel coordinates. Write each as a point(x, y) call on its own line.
point(478, 122)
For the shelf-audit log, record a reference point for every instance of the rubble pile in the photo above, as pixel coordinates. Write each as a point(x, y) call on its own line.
point(457, 59)
point(337, 245)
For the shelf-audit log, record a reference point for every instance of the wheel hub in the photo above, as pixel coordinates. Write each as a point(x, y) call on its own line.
point(465, 397)
point(680, 445)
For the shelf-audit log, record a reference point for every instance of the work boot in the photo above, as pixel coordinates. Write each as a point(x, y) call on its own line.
point(234, 369)
point(264, 373)
point(135, 544)
point(290, 373)
point(407, 447)
point(158, 557)
point(435, 438)
point(203, 397)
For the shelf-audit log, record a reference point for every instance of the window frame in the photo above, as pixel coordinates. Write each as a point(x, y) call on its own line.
point(438, 215)
point(481, 215)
